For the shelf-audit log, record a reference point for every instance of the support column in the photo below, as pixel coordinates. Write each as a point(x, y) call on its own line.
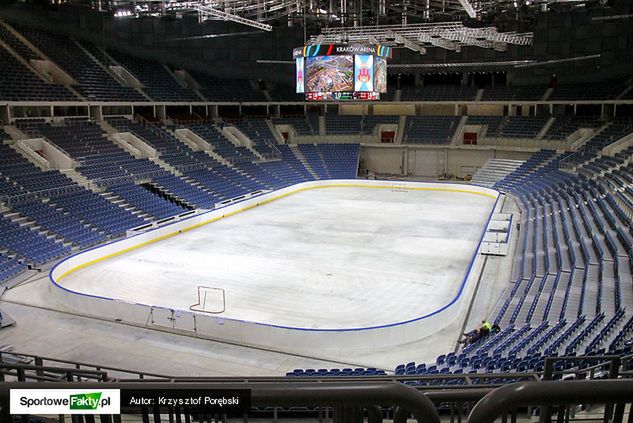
point(96, 113)
point(5, 115)
point(213, 111)
point(161, 112)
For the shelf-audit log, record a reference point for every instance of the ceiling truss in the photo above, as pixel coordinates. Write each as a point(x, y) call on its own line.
point(204, 11)
point(417, 37)
point(346, 13)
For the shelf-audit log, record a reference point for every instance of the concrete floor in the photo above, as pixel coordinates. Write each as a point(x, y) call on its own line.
point(326, 258)
point(49, 329)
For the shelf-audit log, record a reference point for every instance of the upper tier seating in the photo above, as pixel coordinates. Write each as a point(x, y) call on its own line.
point(314, 121)
point(628, 95)
point(95, 83)
point(299, 123)
point(156, 80)
point(430, 129)
point(586, 92)
point(564, 126)
point(339, 125)
point(523, 126)
point(616, 130)
point(16, 44)
point(438, 93)
point(513, 93)
point(389, 95)
point(21, 84)
point(285, 93)
point(370, 122)
point(233, 90)
point(342, 125)
point(492, 122)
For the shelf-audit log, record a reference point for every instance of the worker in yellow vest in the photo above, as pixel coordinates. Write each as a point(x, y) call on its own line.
point(485, 327)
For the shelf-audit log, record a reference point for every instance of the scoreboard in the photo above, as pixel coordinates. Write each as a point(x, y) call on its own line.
point(336, 72)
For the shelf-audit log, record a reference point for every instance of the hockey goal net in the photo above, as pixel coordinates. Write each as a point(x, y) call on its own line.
point(210, 300)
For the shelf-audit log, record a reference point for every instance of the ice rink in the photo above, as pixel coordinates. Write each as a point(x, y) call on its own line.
point(330, 258)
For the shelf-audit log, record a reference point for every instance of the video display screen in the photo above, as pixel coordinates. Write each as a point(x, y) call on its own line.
point(329, 73)
point(364, 73)
point(333, 72)
point(300, 77)
point(380, 75)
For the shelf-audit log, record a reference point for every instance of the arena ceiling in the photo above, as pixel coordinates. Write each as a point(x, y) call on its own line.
point(413, 24)
point(344, 12)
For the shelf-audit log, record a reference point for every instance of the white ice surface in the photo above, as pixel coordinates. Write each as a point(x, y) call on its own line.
point(325, 258)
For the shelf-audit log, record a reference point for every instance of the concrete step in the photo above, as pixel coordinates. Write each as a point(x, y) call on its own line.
point(495, 170)
point(297, 152)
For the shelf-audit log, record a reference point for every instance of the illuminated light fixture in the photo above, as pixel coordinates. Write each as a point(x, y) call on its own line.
point(123, 13)
point(325, 12)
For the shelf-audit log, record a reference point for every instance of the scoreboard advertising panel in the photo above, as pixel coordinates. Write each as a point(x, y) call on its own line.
point(330, 72)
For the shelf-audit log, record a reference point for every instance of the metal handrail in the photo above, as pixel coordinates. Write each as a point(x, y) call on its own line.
point(467, 378)
point(281, 395)
point(510, 397)
point(19, 371)
point(77, 365)
point(600, 362)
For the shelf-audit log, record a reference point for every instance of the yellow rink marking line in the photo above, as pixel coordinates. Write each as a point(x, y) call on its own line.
point(252, 206)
